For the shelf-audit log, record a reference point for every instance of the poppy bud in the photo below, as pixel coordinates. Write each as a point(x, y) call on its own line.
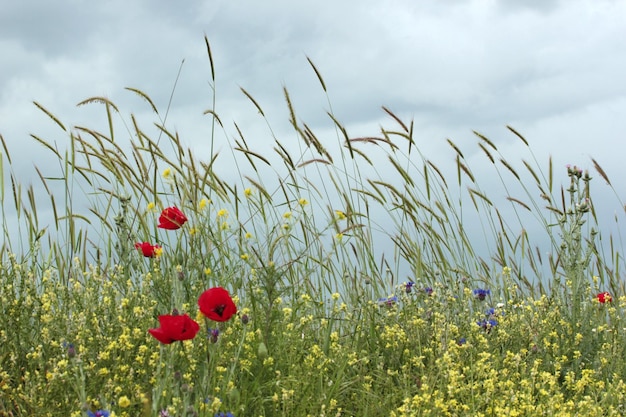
point(234, 396)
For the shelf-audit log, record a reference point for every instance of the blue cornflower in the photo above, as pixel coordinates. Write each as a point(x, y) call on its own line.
point(491, 312)
point(387, 301)
point(461, 341)
point(408, 286)
point(481, 294)
point(222, 414)
point(428, 291)
point(71, 350)
point(99, 413)
point(487, 324)
point(213, 334)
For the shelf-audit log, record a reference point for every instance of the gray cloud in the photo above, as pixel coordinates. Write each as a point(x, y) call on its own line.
point(553, 69)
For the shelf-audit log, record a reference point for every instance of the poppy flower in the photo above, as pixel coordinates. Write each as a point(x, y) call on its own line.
point(604, 297)
point(171, 218)
point(216, 304)
point(148, 250)
point(175, 327)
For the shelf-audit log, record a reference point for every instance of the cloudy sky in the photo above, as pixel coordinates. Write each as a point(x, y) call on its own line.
point(554, 70)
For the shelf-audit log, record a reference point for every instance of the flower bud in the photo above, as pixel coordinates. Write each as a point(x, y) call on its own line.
point(234, 396)
point(71, 351)
point(262, 351)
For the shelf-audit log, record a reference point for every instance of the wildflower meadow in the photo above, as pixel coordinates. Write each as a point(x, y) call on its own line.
point(313, 275)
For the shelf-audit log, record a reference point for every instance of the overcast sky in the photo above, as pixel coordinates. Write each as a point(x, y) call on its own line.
point(554, 70)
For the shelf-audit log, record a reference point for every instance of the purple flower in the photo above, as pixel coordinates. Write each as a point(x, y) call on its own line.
point(389, 301)
point(428, 291)
point(487, 325)
point(481, 294)
point(71, 350)
point(213, 335)
point(222, 414)
point(99, 413)
point(408, 286)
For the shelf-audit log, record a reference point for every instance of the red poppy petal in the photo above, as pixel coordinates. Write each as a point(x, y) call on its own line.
point(216, 304)
point(171, 218)
point(160, 335)
point(180, 327)
point(189, 329)
point(166, 223)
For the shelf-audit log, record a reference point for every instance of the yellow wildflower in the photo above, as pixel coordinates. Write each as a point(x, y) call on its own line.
point(203, 203)
point(124, 402)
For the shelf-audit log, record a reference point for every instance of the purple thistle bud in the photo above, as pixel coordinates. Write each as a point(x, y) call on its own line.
point(213, 335)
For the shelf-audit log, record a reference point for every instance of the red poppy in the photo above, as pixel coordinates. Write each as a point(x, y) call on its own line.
point(172, 218)
point(216, 304)
point(604, 297)
point(175, 327)
point(148, 250)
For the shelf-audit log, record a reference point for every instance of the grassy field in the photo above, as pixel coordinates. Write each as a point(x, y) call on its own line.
point(325, 277)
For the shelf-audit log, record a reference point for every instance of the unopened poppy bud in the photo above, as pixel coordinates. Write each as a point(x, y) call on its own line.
point(245, 319)
point(262, 351)
point(234, 396)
